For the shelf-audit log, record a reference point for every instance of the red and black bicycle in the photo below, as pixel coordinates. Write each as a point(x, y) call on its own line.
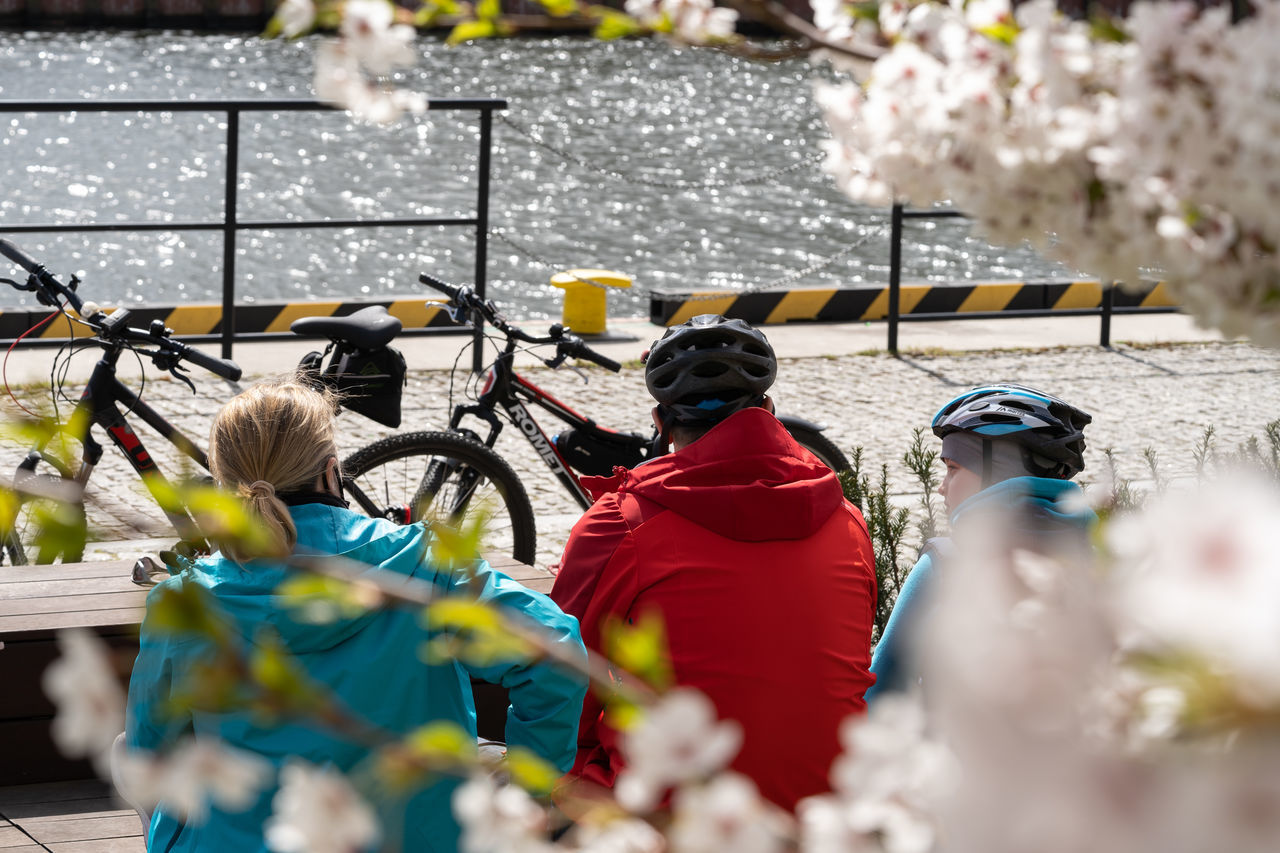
point(449, 472)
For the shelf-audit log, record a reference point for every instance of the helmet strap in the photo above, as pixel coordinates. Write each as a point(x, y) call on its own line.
point(986, 462)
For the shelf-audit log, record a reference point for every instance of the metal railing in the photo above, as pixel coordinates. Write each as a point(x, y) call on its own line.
point(231, 225)
point(898, 216)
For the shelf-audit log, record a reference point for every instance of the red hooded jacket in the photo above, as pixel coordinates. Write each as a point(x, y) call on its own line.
point(765, 579)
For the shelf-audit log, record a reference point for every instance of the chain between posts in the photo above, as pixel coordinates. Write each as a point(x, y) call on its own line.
point(787, 279)
point(763, 178)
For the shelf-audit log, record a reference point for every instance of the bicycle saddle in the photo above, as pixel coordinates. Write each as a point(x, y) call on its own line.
point(368, 328)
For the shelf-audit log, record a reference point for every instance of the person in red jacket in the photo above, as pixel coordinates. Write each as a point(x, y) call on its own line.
point(744, 544)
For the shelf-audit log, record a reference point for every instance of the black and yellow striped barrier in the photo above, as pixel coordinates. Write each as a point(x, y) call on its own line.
point(196, 320)
point(855, 304)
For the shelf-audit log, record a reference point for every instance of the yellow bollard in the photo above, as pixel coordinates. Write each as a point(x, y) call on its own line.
point(584, 303)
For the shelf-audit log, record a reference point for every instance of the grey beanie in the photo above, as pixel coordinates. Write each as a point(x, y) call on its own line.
point(1007, 457)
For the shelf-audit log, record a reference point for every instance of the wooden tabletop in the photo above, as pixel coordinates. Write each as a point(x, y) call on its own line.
point(102, 595)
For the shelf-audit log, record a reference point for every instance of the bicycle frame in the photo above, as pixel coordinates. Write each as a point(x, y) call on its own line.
point(100, 404)
point(507, 391)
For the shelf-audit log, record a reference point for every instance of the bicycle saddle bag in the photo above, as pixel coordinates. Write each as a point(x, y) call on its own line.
point(595, 450)
point(369, 382)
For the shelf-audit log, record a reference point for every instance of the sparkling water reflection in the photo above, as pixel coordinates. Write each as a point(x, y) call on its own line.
point(650, 112)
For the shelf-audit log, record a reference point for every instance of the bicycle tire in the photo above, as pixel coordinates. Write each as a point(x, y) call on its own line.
point(12, 551)
point(820, 446)
point(408, 476)
point(23, 545)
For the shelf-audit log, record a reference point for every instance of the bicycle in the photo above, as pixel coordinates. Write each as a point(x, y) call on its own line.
point(99, 405)
point(44, 474)
point(449, 471)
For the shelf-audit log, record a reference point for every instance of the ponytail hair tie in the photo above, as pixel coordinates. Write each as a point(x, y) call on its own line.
point(261, 489)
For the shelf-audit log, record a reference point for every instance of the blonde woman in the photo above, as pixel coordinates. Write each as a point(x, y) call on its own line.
point(274, 445)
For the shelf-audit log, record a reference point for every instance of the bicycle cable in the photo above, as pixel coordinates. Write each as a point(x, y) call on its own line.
point(4, 368)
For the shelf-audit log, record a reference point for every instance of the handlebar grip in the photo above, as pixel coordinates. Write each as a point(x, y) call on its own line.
point(606, 362)
point(447, 289)
point(19, 257)
point(584, 351)
point(223, 367)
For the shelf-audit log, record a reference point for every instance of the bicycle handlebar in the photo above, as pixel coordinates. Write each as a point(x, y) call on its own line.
point(45, 280)
point(48, 287)
point(567, 344)
point(224, 367)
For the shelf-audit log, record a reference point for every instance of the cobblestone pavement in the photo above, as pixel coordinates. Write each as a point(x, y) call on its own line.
point(1159, 397)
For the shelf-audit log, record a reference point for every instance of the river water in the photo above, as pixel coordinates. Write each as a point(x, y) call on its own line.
point(649, 122)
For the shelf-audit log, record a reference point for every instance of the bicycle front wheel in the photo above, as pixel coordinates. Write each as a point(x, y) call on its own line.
point(444, 476)
point(820, 446)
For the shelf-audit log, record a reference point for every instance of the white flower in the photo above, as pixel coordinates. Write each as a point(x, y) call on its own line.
point(678, 740)
point(339, 81)
point(82, 684)
point(626, 835)
point(692, 21)
point(987, 13)
point(296, 17)
point(370, 34)
point(725, 814)
point(1155, 153)
point(1199, 573)
point(196, 772)
point(498, 818)
point(317, 811)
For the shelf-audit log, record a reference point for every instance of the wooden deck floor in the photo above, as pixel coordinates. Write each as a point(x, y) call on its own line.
point(67, 817)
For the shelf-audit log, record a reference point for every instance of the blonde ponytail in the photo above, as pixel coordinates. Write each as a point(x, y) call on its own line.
point(273, 439)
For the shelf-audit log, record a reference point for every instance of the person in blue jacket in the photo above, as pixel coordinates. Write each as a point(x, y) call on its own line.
point(1007, 448)
point(274, 444)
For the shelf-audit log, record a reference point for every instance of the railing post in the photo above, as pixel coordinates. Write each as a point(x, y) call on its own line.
point(1108, 302)
point(895, 275)
point(482, 231)
point(229, 230)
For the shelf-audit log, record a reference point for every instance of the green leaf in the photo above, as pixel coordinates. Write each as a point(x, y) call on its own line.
point(457, 546)
point(318, 599)
point(614, 24)
point(214, 686)
point(864, 11)
point(273, 669)
point(621, 714)
point(489, 10)
point(9, 505)
point(1104, 28)
point(180, 608)
point(1005, 32)
point(531, 772)
point(273, 28)
point(560, 8)
point(442, 745)
point(640, 649)
point(474, 633)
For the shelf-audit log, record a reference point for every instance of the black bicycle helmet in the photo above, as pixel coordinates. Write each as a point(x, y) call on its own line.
point(1050, 430)
point(706, 369)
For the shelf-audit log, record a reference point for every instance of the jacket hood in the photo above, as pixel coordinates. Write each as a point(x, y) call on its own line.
point(747, 480)
point(247, 593)
point(1035, 505)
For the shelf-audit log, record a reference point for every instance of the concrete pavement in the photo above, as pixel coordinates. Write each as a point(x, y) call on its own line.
point(1146, 392)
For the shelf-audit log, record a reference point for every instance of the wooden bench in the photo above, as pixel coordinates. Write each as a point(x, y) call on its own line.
point(37, 601)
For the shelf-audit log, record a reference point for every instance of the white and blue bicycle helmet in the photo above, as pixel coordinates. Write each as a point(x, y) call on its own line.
point(1050, 431)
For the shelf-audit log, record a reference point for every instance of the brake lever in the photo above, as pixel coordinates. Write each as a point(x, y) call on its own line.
point(170, 363)
point(178, 373)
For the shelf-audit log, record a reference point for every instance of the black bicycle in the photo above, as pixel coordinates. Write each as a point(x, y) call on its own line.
point(361, 368)
point(448, 473)
point(46, 474)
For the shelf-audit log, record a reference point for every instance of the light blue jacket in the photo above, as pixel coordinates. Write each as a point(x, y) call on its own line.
point(372, 663)
point(1036, 506)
